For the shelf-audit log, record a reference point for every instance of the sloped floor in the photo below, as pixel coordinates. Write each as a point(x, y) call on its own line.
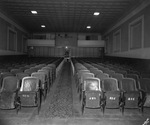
point(63, 107)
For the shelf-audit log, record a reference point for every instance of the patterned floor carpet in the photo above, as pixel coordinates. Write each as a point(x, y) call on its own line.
point(61, 103)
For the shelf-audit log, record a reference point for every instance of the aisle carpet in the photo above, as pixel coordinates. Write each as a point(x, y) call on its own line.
point(61, 103)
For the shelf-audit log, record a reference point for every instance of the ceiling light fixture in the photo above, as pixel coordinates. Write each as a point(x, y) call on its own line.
point(34, 12)
point(96, 13)
point(88, 27)
point(43, 26)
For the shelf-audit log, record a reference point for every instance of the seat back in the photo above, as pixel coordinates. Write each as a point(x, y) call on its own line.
point(15, 71)
point(80, 72)
point(28, 71)
point(144, 84)
point(122, 72)
point(40, 75)
point(3, 75)
point(86, 75)
point(110, 84)
point(128, 84)
point(50, 71)
point(10, 84)
point(145, 75)
point(92, 84)
point(46, 72)
point(111, 72)
point(30, 84)
point(134, 76)
point(102, 76)
point(118, 76)
point(97, 72)
point(20, 76)
point(93, 70)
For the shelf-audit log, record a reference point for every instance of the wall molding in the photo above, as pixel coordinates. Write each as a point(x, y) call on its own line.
point(114, 41)
point(106, 45)
point(22, 49)
point(15, 32)
point(141, 18)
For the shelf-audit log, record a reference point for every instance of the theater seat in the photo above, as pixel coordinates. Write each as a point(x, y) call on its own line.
point(43, 81)
point(92, 94)
point(131, 97)
point(8, 93)
point(112, 94)
point(83, 77)
point(144, 86)
point(29, 94)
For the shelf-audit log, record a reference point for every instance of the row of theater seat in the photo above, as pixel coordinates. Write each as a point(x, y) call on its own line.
point(27, 87)
point(102, 86)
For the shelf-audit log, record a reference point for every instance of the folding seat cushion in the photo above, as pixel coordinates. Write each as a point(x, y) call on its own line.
point(131, 94)
point(111, 92)
point(144, 86)
point(8, 92)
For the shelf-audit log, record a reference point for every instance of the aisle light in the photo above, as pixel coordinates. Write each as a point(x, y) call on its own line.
point(96, 13)
point(88, 27)
point(34, 12)
point(43, 26)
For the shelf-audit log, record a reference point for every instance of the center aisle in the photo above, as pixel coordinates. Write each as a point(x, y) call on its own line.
point(62, 102)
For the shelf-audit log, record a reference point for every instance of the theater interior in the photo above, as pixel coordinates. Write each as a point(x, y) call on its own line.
point(74, 62)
